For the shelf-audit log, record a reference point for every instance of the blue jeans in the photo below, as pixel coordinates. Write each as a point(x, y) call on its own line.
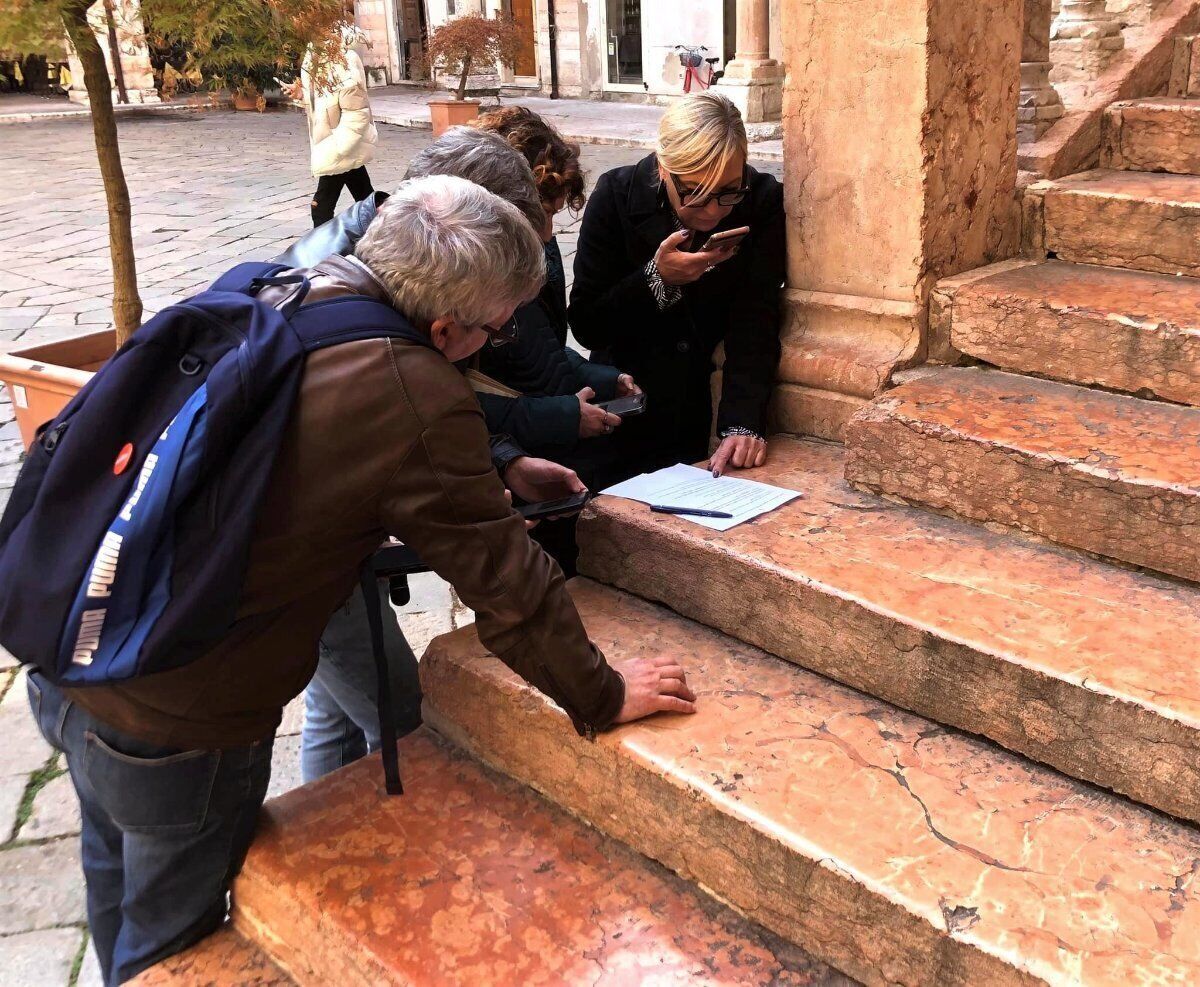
point(341, 715)
point(165, 831)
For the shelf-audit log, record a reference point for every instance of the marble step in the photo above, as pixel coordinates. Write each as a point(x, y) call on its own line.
point(1096, 326)
point(470, 879)
point(891, 847)
point(1106, 473)
point(225, 959)
point(1077, 663)
point(1134, 219)
point(1155, 134)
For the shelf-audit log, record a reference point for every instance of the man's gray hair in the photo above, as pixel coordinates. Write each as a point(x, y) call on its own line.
point(444, 246)
point(486, 159)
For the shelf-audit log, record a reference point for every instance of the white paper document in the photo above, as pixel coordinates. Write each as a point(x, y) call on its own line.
point(689, 486)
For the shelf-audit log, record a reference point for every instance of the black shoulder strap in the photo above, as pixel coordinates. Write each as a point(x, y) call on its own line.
point(349, 318)
point(387, 719)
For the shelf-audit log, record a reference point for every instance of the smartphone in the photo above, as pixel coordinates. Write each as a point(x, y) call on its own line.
point(633, 404)
point(550, 508)
point(727, 239)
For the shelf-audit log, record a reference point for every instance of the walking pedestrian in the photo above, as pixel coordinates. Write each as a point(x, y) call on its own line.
point(341, 130)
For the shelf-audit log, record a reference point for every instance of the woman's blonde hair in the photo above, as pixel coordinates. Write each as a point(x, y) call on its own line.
point(702, 133)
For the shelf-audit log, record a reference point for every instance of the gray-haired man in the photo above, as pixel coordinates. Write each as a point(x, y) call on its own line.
point(385, 438)
point(341, 719)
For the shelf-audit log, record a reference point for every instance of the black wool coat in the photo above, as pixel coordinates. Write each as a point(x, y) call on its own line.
point(670, 352)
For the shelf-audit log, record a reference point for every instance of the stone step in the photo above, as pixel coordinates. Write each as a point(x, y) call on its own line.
point(1106, 473)
point(1155, 134)
point(1096, 326)
point(1079, 664)
point(471, 879)
point(224, 959)
point(1144, 221)
point(895, 849)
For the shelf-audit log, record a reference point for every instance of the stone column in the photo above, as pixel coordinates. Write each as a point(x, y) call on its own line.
point(131, 43)
point(753, 81)
point(900, 151)
point(1084, 39)
point(1040, 104)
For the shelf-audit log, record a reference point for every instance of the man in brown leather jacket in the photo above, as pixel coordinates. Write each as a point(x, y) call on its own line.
point(386, 438)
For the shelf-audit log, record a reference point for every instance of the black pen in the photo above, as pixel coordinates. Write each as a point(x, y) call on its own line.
point(664, 509)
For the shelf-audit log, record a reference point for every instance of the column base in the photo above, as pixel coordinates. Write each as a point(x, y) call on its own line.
point(800, 410)
point(1039, 104)
point(839, 351)
point(1082, 59)
point(755, 88)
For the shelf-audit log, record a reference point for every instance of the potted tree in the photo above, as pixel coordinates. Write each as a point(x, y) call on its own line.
point(458, 46)
point(41, 380)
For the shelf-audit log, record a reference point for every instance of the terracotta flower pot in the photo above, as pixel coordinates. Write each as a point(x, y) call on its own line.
point(247, 101)
point(447, 113)
point(42, 379)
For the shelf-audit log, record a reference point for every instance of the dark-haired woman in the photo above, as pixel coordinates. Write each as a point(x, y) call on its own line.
point(554, 415)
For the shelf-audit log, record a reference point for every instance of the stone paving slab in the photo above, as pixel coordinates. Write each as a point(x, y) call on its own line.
point(12, 793)
point(41, 887)
point(39, 959)
point(89, 973)
point(19, 108)
point(25, 750)
point(55, 811)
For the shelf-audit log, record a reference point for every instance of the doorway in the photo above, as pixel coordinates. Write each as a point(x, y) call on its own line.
point(412, 28)
point(624, 42)
point(522, 15)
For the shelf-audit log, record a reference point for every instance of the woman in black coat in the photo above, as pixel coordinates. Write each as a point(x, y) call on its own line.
point(649, 299)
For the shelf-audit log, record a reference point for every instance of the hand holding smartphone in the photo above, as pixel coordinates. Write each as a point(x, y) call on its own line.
point(554, 508)
point(726, 240)
point(632, 404)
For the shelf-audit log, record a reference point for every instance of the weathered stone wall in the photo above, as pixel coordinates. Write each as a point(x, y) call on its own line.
point(900, 150)
point(373, 20)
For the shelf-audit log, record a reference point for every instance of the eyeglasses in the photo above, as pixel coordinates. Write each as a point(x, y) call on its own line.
point(692, 199)
point(499, 336)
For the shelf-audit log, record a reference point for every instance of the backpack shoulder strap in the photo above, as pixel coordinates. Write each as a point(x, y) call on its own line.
point(241, 277)
point(350, 318)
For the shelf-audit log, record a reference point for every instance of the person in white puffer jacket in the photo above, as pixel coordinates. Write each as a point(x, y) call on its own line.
point(340, 129)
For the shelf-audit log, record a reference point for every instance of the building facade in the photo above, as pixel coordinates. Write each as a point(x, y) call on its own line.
point(590, 49)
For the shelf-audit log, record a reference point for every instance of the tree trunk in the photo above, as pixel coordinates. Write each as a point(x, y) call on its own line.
point(114, 51)
point(462, 79)
point(127, 306)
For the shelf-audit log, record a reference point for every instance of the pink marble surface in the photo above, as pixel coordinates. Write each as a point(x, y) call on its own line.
point(906, 852)
point(470, 879)
point(1110, 474)
point(1123, 330)
point(1078, 663)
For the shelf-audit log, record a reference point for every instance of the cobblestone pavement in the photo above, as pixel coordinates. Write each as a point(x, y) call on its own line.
point(208, 190)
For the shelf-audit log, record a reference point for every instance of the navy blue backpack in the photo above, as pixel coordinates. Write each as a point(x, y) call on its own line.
point(124, 545)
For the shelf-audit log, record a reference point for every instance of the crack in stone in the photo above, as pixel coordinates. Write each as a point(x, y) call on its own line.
point(897, 773)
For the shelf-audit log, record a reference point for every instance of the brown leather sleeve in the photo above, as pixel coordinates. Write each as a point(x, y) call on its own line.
point(447, 502)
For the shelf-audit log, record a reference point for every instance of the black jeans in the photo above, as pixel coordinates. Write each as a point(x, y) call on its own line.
point(329, 187)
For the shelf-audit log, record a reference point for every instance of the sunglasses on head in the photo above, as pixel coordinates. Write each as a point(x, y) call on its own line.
point(692, 198)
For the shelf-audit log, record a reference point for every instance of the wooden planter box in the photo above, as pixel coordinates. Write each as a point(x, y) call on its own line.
point(447, 113)
point(42, 379)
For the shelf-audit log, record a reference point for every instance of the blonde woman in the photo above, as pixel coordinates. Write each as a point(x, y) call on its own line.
point(341, 131)
point(654, 297)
